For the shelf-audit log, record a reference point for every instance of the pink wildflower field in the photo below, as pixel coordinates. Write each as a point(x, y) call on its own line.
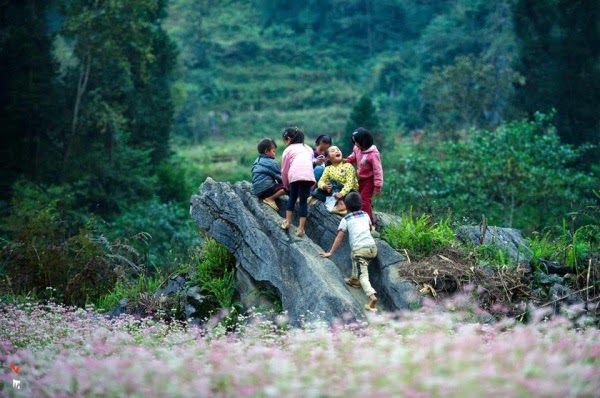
point(47, 350)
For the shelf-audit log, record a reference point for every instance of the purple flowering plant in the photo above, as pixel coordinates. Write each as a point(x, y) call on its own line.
point(68, 351)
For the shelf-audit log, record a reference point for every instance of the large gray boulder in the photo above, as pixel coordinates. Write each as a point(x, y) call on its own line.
point(509, 240)
point(310, 287)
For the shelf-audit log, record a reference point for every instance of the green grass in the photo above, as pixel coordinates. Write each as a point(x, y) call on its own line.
point(419, 236)
point(542, 246)
point(571, 248)
point(228, 162)
point(130, 291)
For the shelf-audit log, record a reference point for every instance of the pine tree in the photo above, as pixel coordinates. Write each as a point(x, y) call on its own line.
point(364, 114)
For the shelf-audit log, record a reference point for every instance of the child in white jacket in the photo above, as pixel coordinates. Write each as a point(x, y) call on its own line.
point(358, 225)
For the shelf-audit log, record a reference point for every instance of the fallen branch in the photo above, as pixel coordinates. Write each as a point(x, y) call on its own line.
point(566, 296)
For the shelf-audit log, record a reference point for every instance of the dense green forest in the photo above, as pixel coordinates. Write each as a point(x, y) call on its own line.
point(113, 112)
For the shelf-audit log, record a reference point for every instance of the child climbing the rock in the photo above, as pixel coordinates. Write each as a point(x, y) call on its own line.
point(337, 181)
point(362, 245)
point(298, 176)
point(267, 183)
point(369, 168)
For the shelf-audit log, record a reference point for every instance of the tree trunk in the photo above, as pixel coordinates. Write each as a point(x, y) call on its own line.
point(84, 74)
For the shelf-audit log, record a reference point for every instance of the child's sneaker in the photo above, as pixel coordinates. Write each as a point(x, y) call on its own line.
point(354, 282)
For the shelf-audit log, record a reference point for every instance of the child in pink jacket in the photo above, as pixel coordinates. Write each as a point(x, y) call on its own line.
point(369, 168)
point(297, 175)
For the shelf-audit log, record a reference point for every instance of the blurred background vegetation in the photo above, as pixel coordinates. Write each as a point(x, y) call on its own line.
point(113, 113)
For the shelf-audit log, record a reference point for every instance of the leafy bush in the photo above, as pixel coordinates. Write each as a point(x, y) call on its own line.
point(178, 179)
point(518, 175)
point(416, 177)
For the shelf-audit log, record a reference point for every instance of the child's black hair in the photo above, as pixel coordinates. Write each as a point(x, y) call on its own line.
point(295, 135)
point(353, 201)
point(324, 138)
point(363, 138)
point(265, 144)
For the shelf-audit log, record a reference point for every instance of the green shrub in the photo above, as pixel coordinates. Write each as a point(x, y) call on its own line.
point(416, 177)
point(576, 248)
point(214, 273)
point(419, 236)
point(570, 248)
point(542, 246)
point(42, 256)
point(169, 226)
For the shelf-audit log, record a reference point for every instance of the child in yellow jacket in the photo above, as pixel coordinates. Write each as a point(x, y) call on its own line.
point(338, 179)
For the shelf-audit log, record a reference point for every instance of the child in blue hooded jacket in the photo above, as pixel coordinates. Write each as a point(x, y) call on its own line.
point(267, 183)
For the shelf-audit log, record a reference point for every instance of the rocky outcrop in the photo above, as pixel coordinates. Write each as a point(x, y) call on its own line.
point(508, 240)
point(308, 286)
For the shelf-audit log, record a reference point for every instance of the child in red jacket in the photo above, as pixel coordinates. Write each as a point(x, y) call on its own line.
point(369, 168)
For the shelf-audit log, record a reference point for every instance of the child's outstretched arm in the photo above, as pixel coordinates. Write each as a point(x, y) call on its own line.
point(351, 158)
point(336, 243)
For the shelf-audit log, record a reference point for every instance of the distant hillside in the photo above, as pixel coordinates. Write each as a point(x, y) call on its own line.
point(261, 65)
